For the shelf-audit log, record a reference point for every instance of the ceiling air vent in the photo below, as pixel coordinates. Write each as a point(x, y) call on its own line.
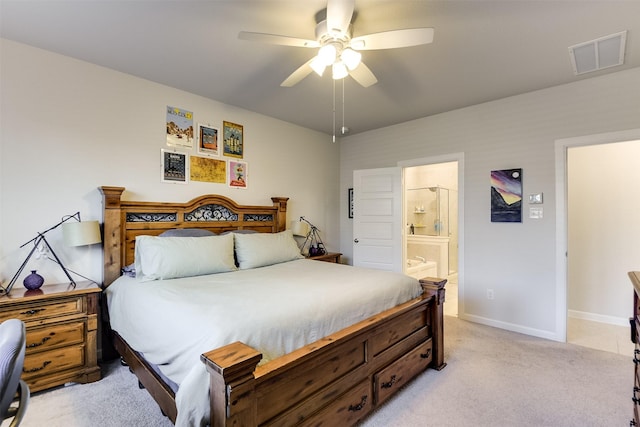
point(598, 54)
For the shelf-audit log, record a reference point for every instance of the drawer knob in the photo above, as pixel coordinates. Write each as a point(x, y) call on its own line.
point(38, 344)
point(44, 365)
point(33, 311)
point(425, 355)
point(390, 383)
point(360, 405)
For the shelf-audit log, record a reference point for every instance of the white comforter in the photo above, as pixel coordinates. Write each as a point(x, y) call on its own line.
point(275, 309)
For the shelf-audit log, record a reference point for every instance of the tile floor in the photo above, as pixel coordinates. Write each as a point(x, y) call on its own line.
point(601, 336)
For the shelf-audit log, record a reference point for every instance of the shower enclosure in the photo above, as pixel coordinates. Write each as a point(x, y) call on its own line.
point(429, 227)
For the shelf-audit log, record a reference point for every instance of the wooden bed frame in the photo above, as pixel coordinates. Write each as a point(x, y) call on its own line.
point(336, 380)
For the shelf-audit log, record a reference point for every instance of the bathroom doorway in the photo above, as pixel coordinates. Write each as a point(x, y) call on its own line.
point(431, 225)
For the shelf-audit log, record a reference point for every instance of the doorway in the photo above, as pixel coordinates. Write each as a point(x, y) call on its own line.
point(431, 222)
point(596, 237)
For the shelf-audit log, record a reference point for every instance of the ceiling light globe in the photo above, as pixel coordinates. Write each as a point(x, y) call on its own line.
point(327, 54)
point(351, 58)
point(318, 66)
point(339, 71)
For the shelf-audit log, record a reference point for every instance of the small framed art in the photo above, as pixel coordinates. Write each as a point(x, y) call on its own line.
point(233, 139)
point(237, 174)
point(350, 202)
point(174, 166)
point(208, 140)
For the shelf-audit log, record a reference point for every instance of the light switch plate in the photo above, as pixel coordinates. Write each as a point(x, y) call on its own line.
point(535, 213)
point(535, 198)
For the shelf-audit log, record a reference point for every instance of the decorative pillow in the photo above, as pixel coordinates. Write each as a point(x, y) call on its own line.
point(187, 232)
point(172, 257)
point(260, 249)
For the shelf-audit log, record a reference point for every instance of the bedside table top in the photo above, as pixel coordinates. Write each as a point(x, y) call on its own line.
point(48, 291)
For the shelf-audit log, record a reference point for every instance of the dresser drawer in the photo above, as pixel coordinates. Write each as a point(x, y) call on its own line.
point(48, 362)
point(396, 375)
point(43, 310)
point(57, 335)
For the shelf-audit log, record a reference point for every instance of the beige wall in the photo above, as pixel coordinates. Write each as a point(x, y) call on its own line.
point(68, 126)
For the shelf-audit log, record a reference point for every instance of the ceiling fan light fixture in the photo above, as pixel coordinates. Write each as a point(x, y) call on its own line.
point(327, 54)
point(339, 70)
point(351, 58)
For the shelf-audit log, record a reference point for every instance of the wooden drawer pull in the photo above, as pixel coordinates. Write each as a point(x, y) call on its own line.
point(390, 383)
point(425, 355)
point(33, 311)
point(44, 365)
point(360, 405)
point(38, 344)
point(636, 352)
point(634, 398)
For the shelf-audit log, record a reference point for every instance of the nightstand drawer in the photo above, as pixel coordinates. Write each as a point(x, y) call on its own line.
point(29, 313)
point(39, 339)
point(44, 363)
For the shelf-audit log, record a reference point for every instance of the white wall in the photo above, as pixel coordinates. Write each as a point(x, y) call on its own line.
point(68, 127)
point(603, 229)
point(516, 260)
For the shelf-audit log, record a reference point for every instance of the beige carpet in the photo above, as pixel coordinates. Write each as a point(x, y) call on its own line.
point(493, 378)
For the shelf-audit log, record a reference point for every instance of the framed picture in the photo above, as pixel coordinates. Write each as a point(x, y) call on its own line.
point(206, 169)
point(179, 127)
point(208, 140)
point(350, 202)
point(238, 174)
point(174, 166)
point(233, 141)
point(506, 195)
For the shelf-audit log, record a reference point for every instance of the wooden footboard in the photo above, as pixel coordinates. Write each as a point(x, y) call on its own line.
point(337, 380)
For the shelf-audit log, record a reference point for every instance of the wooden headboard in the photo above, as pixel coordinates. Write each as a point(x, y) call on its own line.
point(124, 220)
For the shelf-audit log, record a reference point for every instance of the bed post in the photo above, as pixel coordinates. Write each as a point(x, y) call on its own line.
point(435, 287)
point(112, 233)
point(232, 385)
point(281, 215)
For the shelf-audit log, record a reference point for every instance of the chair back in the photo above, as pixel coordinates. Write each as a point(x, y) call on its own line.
point(12, 348)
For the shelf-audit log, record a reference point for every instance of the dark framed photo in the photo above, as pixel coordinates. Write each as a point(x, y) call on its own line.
point(174, 167)
point(350, 202)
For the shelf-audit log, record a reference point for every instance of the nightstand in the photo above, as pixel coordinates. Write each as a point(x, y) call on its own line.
point(328, 257)
point(62, 326)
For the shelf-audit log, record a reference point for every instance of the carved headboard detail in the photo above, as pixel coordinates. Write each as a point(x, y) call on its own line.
point(124, 220)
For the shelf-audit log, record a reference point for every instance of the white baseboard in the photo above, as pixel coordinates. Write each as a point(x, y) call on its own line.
point(550, 335)
point(600, 318)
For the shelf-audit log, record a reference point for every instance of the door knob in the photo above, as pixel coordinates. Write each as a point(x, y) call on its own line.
point(355, 240)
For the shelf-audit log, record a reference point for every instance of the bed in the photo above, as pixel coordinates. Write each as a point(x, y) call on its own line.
point(332, 379)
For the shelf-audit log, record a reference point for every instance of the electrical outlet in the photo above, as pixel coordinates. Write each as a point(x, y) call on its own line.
point(489, 293)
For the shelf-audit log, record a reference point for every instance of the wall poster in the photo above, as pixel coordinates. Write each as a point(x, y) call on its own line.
point(506, 195)
point(174, 166)
point(237, 174)
point(179, 127)
point(233, 140)
point(206, 169)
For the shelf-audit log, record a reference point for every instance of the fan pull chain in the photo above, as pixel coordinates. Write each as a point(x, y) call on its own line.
point(343, 126)
point(334, 111)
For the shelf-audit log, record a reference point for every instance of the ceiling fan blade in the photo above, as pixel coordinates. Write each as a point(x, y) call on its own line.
point(277, 39)
point(363, 75)
point(339, 14)
point(299, 74)
point(393, 39)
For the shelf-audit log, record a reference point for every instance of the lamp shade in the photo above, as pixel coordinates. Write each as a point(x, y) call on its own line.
point(300, 229)
point(81, 233)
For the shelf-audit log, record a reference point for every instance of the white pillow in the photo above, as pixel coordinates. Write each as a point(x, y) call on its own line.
point(173, 257)
point(260, 249)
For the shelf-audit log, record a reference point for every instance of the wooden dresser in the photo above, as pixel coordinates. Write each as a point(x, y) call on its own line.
point(635, 337)
point(62, 325)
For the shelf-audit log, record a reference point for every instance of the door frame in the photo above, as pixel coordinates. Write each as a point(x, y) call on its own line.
point(561, 156)
point(446, 158)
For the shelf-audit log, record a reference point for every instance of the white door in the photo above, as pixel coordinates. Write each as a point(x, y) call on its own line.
point(377, 219)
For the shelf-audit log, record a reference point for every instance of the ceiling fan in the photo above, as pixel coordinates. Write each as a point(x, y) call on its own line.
point(336, 46)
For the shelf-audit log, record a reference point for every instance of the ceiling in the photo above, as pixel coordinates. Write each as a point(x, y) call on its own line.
point(482, 50)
